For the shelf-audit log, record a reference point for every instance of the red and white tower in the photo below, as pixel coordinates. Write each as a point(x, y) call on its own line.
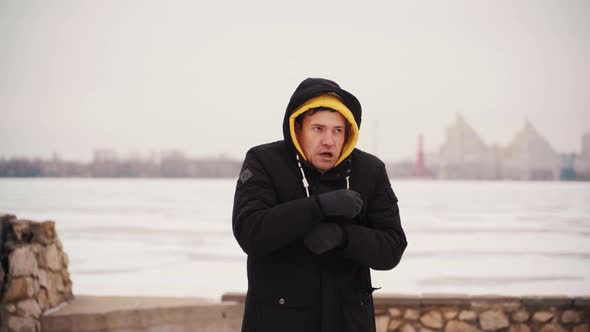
point(419, 167)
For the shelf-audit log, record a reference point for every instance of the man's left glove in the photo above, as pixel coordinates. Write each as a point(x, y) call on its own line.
point(324, 237)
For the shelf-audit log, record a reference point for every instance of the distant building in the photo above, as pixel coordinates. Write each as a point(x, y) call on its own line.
point(464, 155)
point(530, 157)
point(582, 162)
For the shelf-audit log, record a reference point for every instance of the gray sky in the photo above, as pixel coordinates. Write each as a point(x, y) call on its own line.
point(213, 78)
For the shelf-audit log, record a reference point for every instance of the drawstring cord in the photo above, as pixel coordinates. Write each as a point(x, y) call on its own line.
point(304, 179)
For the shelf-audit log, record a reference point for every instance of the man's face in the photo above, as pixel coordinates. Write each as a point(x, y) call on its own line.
point(321, 136)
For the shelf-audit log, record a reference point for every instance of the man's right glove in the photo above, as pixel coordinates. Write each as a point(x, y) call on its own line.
point(342, 202)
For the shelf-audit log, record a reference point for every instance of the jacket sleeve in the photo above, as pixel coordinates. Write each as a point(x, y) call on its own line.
point(260, 224)
point(380, 243)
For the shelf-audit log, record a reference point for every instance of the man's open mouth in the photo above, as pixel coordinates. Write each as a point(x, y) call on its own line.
point(327, 154)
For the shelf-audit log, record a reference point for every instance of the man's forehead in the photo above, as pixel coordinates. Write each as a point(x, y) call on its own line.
point(328, 117)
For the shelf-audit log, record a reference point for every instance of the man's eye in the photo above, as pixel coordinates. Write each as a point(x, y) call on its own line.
point(338, 131)
point(317, 129)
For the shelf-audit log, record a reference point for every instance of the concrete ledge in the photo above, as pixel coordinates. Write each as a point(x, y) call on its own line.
point(95, 313)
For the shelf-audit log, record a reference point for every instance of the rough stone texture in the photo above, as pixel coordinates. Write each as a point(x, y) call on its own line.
point(493, 320)
point(20, 231)
point(43, 300)
point(459, 326)
point(20, 288)
point(50, 258)
point(44, 232)
point(21, 324)
point(43, 278)
point(450, 313)
point(519, 328)
point(581, 328)
point(381, 323)
point(552, 328)
point(467, 315)
point(432, 319)
point(407, 328)
point(520, 316)
point(31, 249)
point(54, 298)
point(394, 324)
point(570, 316)
point(412, 314)
point(395, 312)
point(22, 262)
point(65, 259)
point(542, 316)
point(423, 329)
point(29, 308)
point(11, 308)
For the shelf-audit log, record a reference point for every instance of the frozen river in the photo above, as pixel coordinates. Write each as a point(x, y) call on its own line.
point(172, 237)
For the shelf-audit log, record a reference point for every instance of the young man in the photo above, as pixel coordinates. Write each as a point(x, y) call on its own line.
point(314, 214)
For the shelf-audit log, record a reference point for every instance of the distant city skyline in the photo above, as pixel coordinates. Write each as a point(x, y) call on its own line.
point(147, 154)
point(136, 77)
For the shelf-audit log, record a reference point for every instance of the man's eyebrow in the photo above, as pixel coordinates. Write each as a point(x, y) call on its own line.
point(321, 125)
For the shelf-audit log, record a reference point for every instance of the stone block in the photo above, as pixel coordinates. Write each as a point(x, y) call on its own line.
point(450, 313)
point(468, 315)
point(520, 316)
point(432, 319)
point(21, 324)
point(407, 328)
point(11, 308)
point(581, 328)
point(55, 283)
point(394, 312)
point(21, 231)
point(459, 326)
point(28, 308)
point(542, 316)
point(423, 329)
point(412, 314)
point(570, 316)
point(22, 262)
point(519, 328)
point(394, 324)
point(44, 232)
point(43, 278)
point(19, 289)
point(65, 259)
point(36, 286)
point(493, 320)
point(43, 300)
point(552, 328)
point(50, 258)
point(381, 323)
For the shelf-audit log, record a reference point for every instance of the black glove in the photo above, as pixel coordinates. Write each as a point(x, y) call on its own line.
point(343, 202)
point(324, 237)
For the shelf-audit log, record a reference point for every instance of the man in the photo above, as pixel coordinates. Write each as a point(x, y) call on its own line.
point(314, 214)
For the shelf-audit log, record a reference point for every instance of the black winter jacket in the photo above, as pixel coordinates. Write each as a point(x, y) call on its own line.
point(289, 287)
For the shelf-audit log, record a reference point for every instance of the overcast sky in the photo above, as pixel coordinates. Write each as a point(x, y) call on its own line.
point(214, 78)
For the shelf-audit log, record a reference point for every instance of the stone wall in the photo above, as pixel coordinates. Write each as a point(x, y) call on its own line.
point(464, 313)
point(33, 276)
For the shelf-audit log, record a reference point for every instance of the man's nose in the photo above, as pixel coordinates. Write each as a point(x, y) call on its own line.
point(328, 139)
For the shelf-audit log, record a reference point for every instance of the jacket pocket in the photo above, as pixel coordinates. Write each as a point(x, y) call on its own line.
point(285, 313)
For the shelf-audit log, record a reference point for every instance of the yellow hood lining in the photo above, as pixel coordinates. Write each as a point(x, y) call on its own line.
point(333, 102)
